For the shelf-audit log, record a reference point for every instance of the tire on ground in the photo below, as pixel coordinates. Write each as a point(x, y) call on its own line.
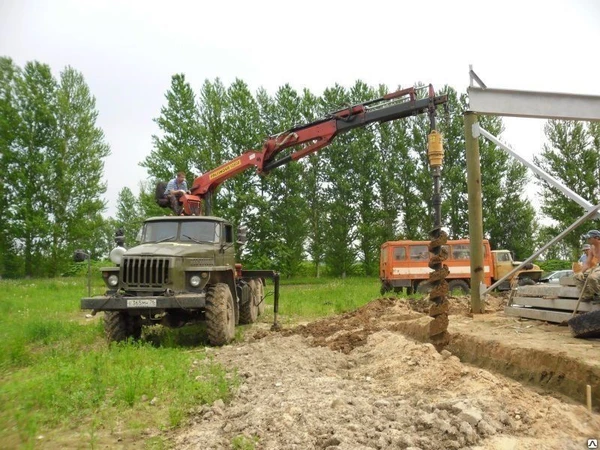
point(248, 308)
point(459, 285)
point(118, 326)
point(585, 325)
point(526, 281)
point(220, 314)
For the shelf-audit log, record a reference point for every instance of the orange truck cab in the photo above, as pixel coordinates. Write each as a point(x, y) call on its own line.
point(405, 265)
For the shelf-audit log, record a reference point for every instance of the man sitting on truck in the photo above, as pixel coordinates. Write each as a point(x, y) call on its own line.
point(175, 189)
point(589, 278)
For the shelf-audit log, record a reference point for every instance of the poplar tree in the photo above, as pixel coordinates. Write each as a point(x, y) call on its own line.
point(176, 148)
point(572, 156)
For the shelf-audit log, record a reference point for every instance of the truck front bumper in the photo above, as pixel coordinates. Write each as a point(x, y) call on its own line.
point(114, 303)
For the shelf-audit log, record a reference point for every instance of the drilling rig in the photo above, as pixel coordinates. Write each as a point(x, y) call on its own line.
point(185, 265)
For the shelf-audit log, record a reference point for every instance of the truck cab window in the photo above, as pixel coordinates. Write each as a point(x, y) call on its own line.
point(228, 234)
point(399, 254)
point(419, 253)
point(199, 231)
point(461, 251)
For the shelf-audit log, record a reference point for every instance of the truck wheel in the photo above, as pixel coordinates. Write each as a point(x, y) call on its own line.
point(459, 285)
point(424, 287)
point(526, 281)
point(248, 308)
point(383, 289)
point(118, 326)
point(260, 296)
point(220, 314)
point(585, 325)
point(134, 327)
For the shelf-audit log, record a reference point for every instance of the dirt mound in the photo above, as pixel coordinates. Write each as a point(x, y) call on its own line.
point(389, 392)
point(350, 330)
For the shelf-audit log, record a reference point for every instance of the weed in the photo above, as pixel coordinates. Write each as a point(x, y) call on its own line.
point(243, 442)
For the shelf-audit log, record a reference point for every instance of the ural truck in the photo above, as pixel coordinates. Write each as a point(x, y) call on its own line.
point(185, 265)
point(404, 266)
point(183, 269)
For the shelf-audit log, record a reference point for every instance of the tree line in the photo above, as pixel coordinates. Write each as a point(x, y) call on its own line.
point(51, 166)
point(333, 208)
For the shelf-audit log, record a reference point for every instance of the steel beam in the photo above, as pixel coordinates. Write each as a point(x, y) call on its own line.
point(545, 105)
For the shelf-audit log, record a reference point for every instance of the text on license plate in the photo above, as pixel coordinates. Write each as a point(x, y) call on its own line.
point(142, 303)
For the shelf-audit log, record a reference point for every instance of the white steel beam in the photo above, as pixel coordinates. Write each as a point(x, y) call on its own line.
point(545, 105)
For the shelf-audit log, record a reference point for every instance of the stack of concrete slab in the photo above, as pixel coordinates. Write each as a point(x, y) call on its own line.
point(548, 302)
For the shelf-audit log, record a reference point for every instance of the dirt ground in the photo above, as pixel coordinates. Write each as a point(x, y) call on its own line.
point(354, 381)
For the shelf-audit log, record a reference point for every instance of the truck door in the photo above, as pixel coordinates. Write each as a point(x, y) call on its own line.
point(383, 264)
point(502, 263)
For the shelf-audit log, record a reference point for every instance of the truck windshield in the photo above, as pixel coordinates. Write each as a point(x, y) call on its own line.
point(188, 231)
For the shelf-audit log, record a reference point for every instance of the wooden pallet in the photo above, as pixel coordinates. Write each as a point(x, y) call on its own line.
point(548, 302)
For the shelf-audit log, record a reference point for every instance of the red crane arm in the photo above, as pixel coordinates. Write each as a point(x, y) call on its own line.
point(316, 135)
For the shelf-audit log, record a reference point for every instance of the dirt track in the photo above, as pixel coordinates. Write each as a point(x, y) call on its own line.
point(355, 382)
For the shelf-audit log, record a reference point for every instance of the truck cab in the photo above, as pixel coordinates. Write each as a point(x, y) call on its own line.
point(504, 263)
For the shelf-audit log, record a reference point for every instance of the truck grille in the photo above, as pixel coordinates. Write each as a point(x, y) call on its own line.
point(202, 261)
point(145, 272)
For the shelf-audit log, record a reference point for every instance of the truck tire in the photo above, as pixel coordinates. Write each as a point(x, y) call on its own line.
point(384, 289)
point(220, 314)
point(424, 287)
point(248, 307)
point(585, 325)
point(459, 285)
point(260, 296)
point(118, 326)
point(526, 281)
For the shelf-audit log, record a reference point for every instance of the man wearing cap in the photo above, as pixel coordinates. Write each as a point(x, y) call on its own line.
point(585, 248)
point(589, 278)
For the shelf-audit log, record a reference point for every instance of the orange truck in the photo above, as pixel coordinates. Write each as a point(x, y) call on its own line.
point(404, 265)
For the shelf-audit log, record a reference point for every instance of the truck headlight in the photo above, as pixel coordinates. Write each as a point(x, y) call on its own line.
point(116, 255)
point(113, 280)
point(195, 281)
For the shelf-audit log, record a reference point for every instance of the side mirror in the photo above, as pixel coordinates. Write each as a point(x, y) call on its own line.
point(241, 235)
point(120, 237)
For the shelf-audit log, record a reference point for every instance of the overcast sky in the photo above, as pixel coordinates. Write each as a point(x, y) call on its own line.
point(128, 51)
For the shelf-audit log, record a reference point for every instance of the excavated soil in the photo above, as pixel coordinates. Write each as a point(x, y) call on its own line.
point(355, 381)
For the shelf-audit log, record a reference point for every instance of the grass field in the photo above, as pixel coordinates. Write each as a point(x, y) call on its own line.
point(62, 385)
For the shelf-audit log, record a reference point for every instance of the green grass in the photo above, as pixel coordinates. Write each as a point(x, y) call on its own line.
point(59, 378)
point(303, 299)
point(56, 370)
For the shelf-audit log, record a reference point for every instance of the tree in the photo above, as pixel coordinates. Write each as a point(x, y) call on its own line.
point(367, 163)
point(287, 207)
point(9, 125)
point(129, 216)
point(313, 192)
point(36, 103)
point(76, 167)
point(177, 148)
point(572, 156)
point(339, 171)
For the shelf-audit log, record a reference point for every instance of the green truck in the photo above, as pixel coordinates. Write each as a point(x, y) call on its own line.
point(183, 269)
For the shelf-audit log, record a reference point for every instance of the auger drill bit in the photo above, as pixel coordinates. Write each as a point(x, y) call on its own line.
point(438, 328)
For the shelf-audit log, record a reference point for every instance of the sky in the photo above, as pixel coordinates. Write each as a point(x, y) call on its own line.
point(128, 51)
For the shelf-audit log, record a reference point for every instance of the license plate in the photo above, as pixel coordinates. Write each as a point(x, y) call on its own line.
point(142, 303)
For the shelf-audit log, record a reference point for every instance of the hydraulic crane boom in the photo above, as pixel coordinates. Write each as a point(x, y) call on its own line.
point(311, 137)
